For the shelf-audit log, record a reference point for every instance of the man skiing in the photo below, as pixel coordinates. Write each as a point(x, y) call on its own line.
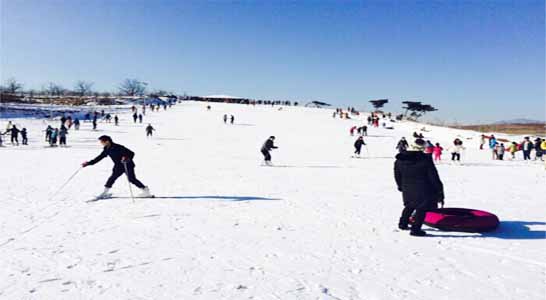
point(358, 145)
point(268, 146)
point(123, 163)
point(417, 178)
point(149, 130)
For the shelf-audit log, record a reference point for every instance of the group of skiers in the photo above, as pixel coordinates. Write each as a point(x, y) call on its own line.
point(362, 130)
point(373, 119)
point(435, 150)
point(498, 149)
point(14, 132)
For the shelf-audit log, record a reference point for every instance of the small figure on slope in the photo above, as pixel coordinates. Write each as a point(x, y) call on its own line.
point(268, 146)
point(358, 145)
point(149, 130)
point(402, 145)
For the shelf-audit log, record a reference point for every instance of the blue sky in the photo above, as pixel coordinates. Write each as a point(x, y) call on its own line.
point(476, 61)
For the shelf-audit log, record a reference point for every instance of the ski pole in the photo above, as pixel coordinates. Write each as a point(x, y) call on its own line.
point(69, 179)
point(128, 181)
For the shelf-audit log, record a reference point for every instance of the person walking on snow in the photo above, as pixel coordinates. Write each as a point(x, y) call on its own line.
point(225, 119)
point(456, 150)
point(149, 130)
point(358, 145)
point(77, 124)
point(232, 119)
point(116, 120)
point(527, 146)
point(352, 130)
point(140, 118)
point(14, 135)
point(417, 178)
point(62, 136)
point(135, 117)
point(500, 151)
point(538, 150)
point(24, 136)
point(266, 148)
point(402, 145)
point(437, 152)
point(493, 146)
point(95, 122)
point(123, 163)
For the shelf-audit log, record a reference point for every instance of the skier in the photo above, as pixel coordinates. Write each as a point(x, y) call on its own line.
point(62, 136)
point(232, 119)
point(14, 135)
point(358, 145)
point(437, 152)
point(225, 119)
point(527, 146)
point(140, 118)
point(149, 130)
point(24, 136)
point(135, 117)
point(123, 163)
point(95, 122)
point(116, 120)
point(402, 145)
point(365, 130)
point(268, 146)
point(77, 124)
point(417, 178)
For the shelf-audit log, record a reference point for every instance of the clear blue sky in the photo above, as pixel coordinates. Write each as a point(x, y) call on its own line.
point(474, 60)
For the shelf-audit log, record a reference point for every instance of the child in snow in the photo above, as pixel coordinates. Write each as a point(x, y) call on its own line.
point(500, 151)
point(53, 137)
point(513, 148)
point(358, 145)
point(456, 150)
point(429, 148)
point(437, 151)
point(24, 136)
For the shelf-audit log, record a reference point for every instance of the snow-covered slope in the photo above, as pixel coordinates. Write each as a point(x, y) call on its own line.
point(320, 225)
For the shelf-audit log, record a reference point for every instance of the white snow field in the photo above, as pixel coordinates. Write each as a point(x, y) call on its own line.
point(318, 225)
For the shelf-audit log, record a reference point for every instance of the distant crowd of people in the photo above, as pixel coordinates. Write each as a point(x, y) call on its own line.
point(527, 147)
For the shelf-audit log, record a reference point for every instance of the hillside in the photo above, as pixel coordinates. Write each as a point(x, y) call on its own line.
point(318, 225)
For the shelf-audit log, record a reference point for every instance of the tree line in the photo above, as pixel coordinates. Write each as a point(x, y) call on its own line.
point(81, 88)
point(416, 108)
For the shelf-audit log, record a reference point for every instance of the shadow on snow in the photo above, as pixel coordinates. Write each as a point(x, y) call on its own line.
point(509, 230)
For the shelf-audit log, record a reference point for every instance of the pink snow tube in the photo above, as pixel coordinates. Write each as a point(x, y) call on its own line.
point(461, 219)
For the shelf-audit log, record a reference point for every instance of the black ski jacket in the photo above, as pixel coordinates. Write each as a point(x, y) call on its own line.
point(116, 152)
point(359, 143)
point(268, 145)
point(417, 178)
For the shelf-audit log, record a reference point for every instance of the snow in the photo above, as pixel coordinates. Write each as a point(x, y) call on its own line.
point(319, 225)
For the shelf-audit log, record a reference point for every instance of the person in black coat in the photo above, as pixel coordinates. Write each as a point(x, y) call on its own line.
point(402, 145)
point(358, 145)
point(123, 163)
point(417, 178)
point(14, 131)
point(268, 146)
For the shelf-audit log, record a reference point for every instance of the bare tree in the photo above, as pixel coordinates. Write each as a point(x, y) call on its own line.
point(54, 89)
point(12, 86)
point(83, 88)
point(132, 87)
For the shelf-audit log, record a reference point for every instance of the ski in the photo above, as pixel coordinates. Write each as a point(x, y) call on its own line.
point(116, 197)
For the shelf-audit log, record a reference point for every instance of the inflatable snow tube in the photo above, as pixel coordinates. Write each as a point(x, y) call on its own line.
point(461, 219)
